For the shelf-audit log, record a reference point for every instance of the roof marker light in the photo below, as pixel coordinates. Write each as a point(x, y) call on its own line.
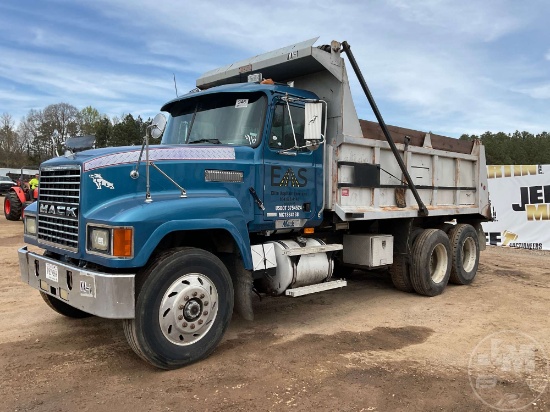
point(255, 78)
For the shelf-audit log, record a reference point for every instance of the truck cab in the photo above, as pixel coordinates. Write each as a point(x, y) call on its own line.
point(263, 125)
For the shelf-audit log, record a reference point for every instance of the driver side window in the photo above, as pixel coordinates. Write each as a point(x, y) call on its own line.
point(281, 136)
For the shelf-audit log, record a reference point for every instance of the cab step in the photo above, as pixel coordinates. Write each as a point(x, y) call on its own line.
point(320, 287)
point(309, 250)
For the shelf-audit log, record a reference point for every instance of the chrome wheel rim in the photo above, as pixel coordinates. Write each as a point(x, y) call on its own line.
point(469, 255)
point(188, 309)
point(438, 263)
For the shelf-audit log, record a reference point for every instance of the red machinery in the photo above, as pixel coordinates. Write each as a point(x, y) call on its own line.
point(18, 198)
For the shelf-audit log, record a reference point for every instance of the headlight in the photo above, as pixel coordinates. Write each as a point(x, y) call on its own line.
point(99, 239)
point(113, 241)
point(30, 225)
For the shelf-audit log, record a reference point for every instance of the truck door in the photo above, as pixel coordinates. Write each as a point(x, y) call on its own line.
point(291, 177)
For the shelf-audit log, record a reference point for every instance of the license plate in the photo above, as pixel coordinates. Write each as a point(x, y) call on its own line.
point(51, 272)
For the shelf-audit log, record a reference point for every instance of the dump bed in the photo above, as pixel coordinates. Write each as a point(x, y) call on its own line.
point(363, 179)
point(366, 182)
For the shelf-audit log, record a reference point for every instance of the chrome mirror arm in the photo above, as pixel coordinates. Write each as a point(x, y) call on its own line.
point(134, 174)
point(148, 198)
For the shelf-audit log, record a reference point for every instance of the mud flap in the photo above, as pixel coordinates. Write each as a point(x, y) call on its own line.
point(242, 286)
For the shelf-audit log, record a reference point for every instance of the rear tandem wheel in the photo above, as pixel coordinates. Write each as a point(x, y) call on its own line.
point(400, 269)
point(431, 262)
point(465, 254)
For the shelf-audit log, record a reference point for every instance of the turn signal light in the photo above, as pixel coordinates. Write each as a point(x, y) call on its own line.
point(309, 230)
point(122, 242)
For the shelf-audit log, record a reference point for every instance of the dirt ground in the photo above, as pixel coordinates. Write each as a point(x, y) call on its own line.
point(367, 347)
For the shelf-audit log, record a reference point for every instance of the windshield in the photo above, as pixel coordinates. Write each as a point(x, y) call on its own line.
point(228, 118)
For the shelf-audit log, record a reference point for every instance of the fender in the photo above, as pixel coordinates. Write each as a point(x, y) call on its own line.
point(166, 214)
point(241, 239)
point(20, 194)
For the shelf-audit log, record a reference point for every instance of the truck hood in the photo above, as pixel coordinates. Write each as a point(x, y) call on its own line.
point(105, 173)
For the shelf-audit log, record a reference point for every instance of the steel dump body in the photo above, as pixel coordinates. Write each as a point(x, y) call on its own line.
point(363, 180)
point(449, 182)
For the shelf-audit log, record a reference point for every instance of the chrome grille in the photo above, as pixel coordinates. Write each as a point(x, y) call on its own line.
point(59, 194)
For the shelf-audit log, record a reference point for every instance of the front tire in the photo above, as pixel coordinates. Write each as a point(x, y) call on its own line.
point(431, 262)
point(465, 252)
point(12, 206)
point(63, 308)
point(182, 310)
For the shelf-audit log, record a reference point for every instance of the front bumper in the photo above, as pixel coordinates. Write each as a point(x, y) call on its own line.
point(104, 295)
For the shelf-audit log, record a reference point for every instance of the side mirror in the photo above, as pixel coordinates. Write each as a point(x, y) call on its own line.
point(314, 116)
point(158, 125)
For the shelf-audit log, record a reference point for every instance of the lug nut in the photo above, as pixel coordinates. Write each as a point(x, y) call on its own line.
point(186, 298)
point(194, 293)
point(205, 313)
point(180, 317)
point(181, 306)
point(184, 324)
point(205, 303)
point(200, 322)
point(192, 326)
point(202, 296)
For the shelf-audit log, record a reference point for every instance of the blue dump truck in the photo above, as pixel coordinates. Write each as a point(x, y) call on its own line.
point(265, 181)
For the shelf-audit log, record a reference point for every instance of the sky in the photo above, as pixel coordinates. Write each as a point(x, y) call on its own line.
point(445, 66)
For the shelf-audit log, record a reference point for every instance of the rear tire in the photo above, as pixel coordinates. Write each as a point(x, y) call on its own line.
point(431, 262)
point(446, 227)
point(63, 308)
point(400, 269)
point(400, 275)
point(12, 206)
point(465, 254)
point(183, 308)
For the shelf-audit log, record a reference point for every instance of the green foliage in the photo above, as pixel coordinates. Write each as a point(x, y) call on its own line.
point(103, 132)
point(514, 148)
point(129, 131)
point(89, 120)
point(42, 132)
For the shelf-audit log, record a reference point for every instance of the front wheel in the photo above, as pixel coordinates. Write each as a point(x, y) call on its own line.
point(63, 308)
point(182, 309)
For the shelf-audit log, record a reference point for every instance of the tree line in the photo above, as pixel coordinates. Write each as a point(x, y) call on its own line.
point(518, 148)
point(41, 133)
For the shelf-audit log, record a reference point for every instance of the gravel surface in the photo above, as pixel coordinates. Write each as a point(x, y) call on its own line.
point(367, 347)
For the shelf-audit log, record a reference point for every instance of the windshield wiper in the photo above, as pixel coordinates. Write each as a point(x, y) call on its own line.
point(213, 141)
